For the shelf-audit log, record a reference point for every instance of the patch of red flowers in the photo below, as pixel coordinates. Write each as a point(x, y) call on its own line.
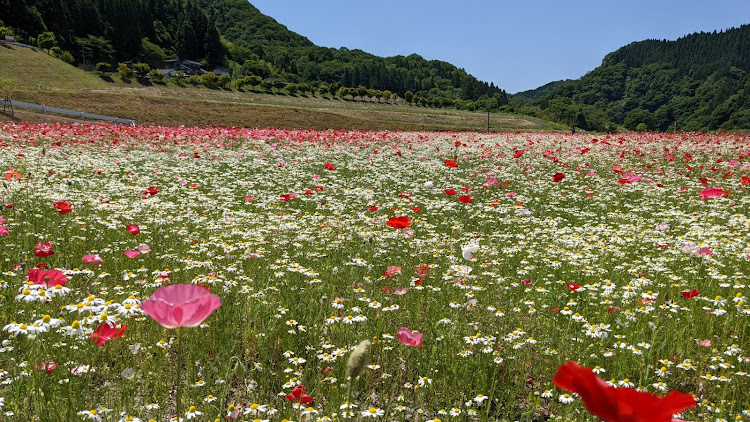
point(450, 163)
point(689, 294)
point(298, 394)
point(450, 192)
point(558, 177)
point(465, 199)
point(329, 166)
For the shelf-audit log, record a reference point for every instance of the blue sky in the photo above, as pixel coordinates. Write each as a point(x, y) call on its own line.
point(518, 45)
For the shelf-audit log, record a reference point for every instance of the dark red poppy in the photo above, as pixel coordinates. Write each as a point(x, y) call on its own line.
point(526, 282)
point(133, 229)
point(450, 163)
point(450, 192)
point(689, 294)
point(43, 249)
point(373, 208)
point(399, 222)
point(329, 166)
point(557, 177)
point(64, 207)
point(518, 154)
point(745, 180)
point(298, 394)
point(106, 332)
point(465, 199)
point(619, 404)
point(152, 190)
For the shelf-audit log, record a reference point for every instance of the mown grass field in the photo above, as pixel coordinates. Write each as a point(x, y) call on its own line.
point(41, 79)
point(509, 253)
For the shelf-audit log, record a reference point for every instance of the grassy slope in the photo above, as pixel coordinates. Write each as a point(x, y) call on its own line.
point(41, 79)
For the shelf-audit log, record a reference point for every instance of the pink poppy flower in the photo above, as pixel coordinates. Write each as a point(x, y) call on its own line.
point(703, 343)
point(46, 366)
point(4, 231)
point(709, 193)
point(180, 305)
point(408, 337)
point(94, 260)
point(49, 278)
point(131, 253)
point(143, 248)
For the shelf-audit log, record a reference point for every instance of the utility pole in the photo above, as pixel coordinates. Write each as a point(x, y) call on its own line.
point(488, 120)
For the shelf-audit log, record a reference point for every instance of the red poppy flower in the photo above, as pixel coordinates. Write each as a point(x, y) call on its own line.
point(106, 332)
point(43, 249)
point(64, 207)
point(450, 163)
point(152, 190)
point(373, 208)
point(557, 177)
point(399, 222)
point(518, 154)
point(688, 294)
point(329, 166)
point(573, 286)
point(526, 282)
point(745, 180)
point(465, 199)
point(133, 229)
point(416, 209)
point(450, 192)
point(298, 394)
point(619, 404)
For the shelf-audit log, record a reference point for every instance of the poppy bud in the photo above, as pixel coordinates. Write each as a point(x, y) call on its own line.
point(239, 369)
point(358, 359)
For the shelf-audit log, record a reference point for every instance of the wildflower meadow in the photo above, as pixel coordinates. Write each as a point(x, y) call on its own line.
point(206, 274)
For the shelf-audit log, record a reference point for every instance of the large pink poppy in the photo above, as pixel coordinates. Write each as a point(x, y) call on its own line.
point(180, 305)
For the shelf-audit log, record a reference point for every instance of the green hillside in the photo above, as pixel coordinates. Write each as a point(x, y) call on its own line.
point(702, 80)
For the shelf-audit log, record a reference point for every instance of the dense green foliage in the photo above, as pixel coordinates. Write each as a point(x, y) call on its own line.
point(116, 30)
point(702, 80)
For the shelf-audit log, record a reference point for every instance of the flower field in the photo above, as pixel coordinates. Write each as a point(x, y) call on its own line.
point(475, 264)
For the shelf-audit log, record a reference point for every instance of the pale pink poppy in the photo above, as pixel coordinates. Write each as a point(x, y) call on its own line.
point(94, 260)
point(131, 253)
point(709, 193)
point(180, 305)
point(408, 337)
point(143, 248)
point(401, 291)
point(4, 231)
point(703, 343)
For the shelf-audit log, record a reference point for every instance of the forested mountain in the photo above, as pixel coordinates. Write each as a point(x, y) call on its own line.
point(300, 60)
point(233, 34)
point(702, 80)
